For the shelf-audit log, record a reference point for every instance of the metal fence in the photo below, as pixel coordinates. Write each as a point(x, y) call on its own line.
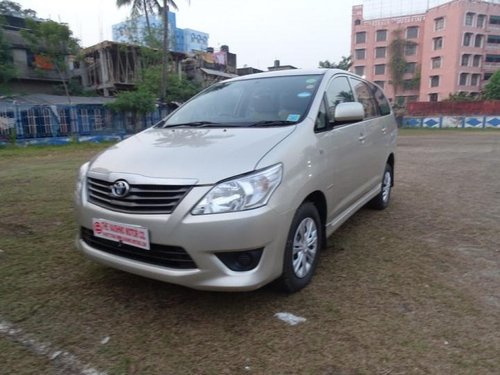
point(24, 123)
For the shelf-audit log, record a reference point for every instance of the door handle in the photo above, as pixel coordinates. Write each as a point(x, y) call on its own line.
point(362, 138)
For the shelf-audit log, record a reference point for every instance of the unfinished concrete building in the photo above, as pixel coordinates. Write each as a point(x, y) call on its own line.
point(110, 67)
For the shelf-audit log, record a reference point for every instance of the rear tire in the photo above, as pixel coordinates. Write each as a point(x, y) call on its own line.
point(302, 249)
point(381, 201)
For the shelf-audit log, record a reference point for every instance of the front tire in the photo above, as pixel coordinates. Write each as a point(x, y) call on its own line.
point(302, 248)
point(381, 201)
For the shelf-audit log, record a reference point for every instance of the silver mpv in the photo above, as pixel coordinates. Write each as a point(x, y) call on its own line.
point(242, 184)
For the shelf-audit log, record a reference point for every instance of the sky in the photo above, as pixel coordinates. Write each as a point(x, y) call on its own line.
point(296, 32)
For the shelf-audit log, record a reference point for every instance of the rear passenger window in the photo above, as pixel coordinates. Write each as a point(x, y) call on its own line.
point(339, 91)
point(383, 103)
point(364, 95)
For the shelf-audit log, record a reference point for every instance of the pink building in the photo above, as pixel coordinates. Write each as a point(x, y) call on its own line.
point(451, 48)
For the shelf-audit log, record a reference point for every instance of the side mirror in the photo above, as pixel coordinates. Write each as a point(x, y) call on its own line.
point(349, 112)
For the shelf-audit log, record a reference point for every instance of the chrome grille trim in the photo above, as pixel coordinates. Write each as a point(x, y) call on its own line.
point(141, 199)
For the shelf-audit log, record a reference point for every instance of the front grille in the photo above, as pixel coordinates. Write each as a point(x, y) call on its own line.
point(141, 199)
point(160, 255)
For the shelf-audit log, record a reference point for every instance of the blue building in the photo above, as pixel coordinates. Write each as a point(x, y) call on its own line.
point(180, 40)
point(195, 40)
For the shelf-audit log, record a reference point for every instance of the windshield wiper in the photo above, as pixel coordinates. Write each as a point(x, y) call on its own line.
point(194, 124)
point(272, 123)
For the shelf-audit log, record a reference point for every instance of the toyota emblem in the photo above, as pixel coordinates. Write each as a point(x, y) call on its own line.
point(120, 188)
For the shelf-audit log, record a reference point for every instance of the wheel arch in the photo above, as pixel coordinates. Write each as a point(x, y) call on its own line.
point(318, 199)
point(391, 161)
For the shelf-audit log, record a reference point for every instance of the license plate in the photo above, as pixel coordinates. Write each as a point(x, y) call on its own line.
point(132, 235)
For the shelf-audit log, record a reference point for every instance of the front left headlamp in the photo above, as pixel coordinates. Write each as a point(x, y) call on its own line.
point(80, 180)
point(243, 193)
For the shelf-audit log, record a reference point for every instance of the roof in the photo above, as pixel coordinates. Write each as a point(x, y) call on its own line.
point(45, 99)
point(218, 73)
point(291, 72)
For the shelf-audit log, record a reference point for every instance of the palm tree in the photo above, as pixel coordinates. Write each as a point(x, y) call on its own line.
point(164, 62)
point(139, 6)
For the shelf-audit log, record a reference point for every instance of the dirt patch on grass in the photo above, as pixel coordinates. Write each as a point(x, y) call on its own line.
point(410, 290)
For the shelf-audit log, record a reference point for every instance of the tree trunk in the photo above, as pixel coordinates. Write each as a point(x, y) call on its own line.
point(164, 66)
point(146, 14)
point(63, 80)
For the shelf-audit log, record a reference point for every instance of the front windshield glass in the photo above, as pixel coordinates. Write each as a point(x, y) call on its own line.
point(274, 101)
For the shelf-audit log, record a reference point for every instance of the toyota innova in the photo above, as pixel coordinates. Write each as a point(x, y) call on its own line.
point(241, 185)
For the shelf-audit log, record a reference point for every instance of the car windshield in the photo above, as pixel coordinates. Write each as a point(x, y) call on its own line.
point(259, 102)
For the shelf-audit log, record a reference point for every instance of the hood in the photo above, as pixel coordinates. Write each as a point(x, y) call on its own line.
point(194, 155)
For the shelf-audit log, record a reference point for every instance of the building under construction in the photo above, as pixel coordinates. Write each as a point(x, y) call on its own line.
point(109, 67)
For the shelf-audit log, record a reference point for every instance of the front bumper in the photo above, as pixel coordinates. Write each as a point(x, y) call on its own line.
point(201, 237)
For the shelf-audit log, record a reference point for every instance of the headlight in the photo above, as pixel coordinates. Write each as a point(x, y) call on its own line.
point(80, 180)
point(244, 193)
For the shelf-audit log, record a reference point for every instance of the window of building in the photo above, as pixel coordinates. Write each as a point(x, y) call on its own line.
point(463, 79)
point(480, 20)
point(410, 67)
point(380, 83)
point(411, 49)
point(359, 70)
point(439, 23)
point(469, 18)
point(487, 76)
point(436, 62)
point(381, 35)
point(361, 37)
point(433, 97)
point(437, 43)
point(360, 54)
point(380, 52)
point(474, 80)
point(493, 39)
point(492, 58)
point(465, 60)
point(478, 42)
point(409, 84)
point(357, 22)
point(379, 69)
point(434, 81)
point(467, 39)
point(495, 20)
point(476, 61)
point(412, 32)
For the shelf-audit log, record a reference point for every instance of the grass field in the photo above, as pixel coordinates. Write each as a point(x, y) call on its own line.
point(410, 290)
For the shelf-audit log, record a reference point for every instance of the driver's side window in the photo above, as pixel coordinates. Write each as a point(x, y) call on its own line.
point(339, 91)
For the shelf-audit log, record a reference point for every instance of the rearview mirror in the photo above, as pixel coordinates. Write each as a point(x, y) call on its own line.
point(349, 112)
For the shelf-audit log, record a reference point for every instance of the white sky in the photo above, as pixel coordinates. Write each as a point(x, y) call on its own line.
point(297, 32)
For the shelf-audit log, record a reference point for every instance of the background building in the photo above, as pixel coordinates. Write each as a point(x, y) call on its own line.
point(453, 47)
point(34, 73)
point(180, 40)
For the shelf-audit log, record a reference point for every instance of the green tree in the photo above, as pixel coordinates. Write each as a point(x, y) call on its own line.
point(345, 63)
point(143, 99)
point(162, 7)
point(492, 88)
point(397, 61)
point(54, 41)
point(11, 8)
point(139, 7)
point(7, 69)
point(138, 101)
